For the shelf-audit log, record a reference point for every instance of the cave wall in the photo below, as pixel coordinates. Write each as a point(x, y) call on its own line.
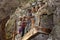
point(2, 28)
point(7, 7)
point(55, 4)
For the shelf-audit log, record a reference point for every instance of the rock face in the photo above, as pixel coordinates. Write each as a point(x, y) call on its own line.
point(7, 7)
point(57, 20)
point(2, 30)
point(56, 12)
point(40, 37)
